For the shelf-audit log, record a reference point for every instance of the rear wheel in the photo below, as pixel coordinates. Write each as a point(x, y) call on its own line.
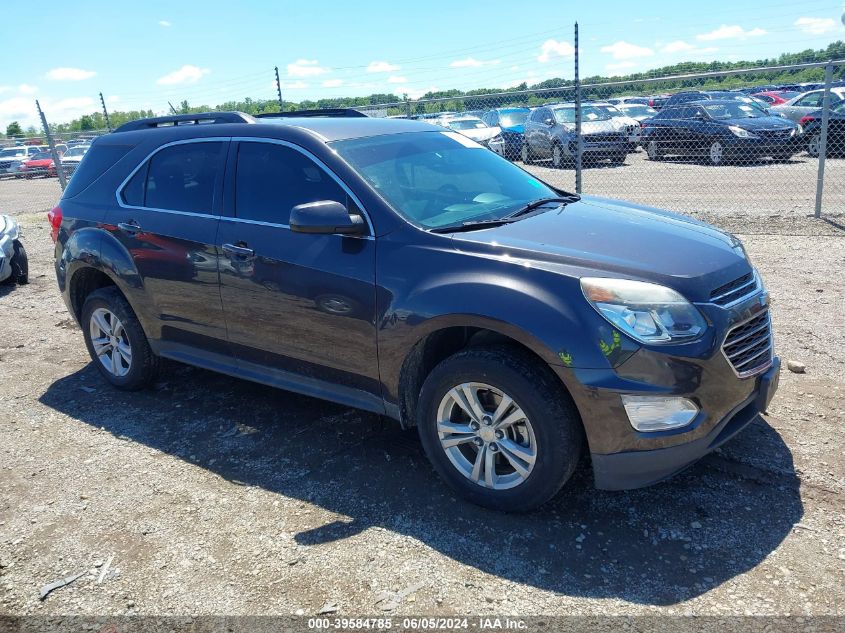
point(557, 156)
point(116, 341)
point(814, 145)
point(653, 150)
point(525, 153)
point(498, 428)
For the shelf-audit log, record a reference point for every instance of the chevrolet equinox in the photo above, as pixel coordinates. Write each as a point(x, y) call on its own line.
point(395, 267)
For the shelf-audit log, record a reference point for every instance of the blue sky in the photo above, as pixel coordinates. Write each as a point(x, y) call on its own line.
point(209, 52)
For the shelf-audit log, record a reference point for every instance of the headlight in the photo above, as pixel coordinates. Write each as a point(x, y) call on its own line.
point(794, 131)
point(738, 131)
point(648, 313)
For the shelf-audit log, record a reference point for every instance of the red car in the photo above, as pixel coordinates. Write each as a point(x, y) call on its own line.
point(775, 97)
point(39, 165)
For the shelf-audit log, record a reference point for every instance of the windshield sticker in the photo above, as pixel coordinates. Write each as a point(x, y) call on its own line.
point(463, 140)
point(592, 116)
point(746, 108)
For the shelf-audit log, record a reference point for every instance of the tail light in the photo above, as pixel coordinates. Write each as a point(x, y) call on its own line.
point(54, 216)
point(805, 120)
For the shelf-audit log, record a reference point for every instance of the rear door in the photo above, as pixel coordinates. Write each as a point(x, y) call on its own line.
point(299, 307)
point(167, 218)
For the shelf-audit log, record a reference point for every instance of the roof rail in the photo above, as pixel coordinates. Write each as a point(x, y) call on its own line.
point(325, 112)
point(200, 118)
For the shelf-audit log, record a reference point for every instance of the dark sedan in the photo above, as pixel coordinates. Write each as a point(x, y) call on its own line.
point(811, 136)
point(719, 130)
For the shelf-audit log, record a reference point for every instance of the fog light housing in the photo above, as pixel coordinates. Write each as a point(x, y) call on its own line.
point(659, 413)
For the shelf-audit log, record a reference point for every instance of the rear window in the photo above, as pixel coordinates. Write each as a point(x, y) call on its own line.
point(94, 164)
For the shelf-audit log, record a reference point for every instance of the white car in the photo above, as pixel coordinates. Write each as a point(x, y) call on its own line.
point(14, 265)
point(71, 158)
point(621, 122)
point(472, 127)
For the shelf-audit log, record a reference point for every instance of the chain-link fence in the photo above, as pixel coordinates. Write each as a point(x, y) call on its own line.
point(706, 143)
point(700, 143)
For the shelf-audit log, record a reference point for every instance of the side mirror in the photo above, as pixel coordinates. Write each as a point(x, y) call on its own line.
point(550, 122)
point(326, 217)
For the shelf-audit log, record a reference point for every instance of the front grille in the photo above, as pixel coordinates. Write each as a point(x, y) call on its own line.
point(5, 164)
point(734, 290)
point(773, 134)
point(748, 346)
point(600, 138)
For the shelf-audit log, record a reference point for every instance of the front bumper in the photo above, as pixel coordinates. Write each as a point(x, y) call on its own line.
point(635, 469)
point(748, 147)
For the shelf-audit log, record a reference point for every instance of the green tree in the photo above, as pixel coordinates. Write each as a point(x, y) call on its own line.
point(14, 129)
point(86, 122)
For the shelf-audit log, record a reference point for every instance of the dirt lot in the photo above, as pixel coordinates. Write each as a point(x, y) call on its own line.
point(209, 495)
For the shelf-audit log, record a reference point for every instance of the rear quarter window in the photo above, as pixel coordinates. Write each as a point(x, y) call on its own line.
point(97, 161)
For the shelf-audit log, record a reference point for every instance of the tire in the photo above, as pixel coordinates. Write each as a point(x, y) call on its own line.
point(525, 154)
point(618, 159)
point(550, 427)
point(142, 366)
point(814, 145)
point(716, 153)
point(653, 150)
point(557, 156)
point(19, 264)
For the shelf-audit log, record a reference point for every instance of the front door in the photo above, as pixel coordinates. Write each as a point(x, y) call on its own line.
point(300, 308)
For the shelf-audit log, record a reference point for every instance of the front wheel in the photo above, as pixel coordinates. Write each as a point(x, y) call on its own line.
point(498, 428)
point(814, 145)
point(525, 154)
point(653, 150)
point(557, 156)
point(716, 153)
point(19, 263)
point(116, 341)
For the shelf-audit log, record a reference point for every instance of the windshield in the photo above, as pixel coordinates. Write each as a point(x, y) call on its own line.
point(588, 113)
point(40, 156)
point(14, 151)
point(638, 109)
point(734, 110)
point(437, 179)
point(76, 151)
point(465, 124)
point(511, 119)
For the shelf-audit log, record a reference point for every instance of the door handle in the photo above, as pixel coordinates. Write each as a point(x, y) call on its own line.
point(241, 252)
point(130, 227)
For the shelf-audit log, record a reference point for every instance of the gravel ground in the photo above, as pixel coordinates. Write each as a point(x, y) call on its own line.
point(209, 495)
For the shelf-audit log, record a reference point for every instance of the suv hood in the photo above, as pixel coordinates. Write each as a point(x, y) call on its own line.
point(609, 237)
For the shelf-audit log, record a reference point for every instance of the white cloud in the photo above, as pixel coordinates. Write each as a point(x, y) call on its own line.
point(623, 50)
point(164, 23)
point(27, 89)
point(69, 74)
point(623, 65)
point(552, 49)
point(188, 74)
point(533, 79)
point(332, 83)
point(294, 85)
point(416, 94)
point(815, 26)
point(382, 67)
point(396, 79)
point(22, 109)
point(112, 99)
point(471, 62)
point(306, 68)
point(678, 46)
point(732, 32)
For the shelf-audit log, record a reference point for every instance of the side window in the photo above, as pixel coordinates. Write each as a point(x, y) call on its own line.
point(670, 113)
point(271, 179)
point(133, 192)
point(811, 100)
point(182, 177)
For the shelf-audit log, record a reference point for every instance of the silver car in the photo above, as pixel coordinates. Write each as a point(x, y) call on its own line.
point(805, 103)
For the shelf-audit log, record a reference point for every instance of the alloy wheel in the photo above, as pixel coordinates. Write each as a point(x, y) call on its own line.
point(557, 156)
point(716, 153)
point(653, 151)
point(110, 342)
point(486, 435)
point(814, 147)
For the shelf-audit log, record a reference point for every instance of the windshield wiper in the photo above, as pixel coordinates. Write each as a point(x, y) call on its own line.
point(472, 225)
point(536, 204)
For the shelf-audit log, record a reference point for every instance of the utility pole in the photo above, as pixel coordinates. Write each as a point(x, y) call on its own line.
point(579, 142)
point(279, 89)
point(57, 161)
point(105, 112)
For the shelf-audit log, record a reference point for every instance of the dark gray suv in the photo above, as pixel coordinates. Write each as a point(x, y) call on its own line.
point(401, 268)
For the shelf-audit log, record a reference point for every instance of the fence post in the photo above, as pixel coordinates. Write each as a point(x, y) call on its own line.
point(579, 142)
point(828, 79)
point(408, 108)
point(105, 112)
point(57, 161)
point(279, 90)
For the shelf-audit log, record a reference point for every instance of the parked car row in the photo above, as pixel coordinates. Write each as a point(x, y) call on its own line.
point(31, 161)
